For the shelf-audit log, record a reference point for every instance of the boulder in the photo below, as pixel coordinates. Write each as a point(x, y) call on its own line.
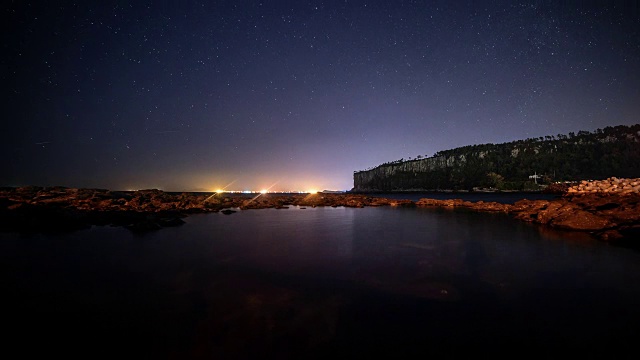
point(580, 220)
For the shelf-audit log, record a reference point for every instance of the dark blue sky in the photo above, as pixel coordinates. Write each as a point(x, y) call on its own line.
point(198, 95)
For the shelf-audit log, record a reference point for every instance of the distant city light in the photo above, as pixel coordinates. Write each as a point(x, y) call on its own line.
point(266, 191)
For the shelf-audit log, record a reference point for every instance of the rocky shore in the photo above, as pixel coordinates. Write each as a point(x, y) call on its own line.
point(612, 215)
point(608, 209)
point(611, 185)
point(608, 217)
point(57, 209)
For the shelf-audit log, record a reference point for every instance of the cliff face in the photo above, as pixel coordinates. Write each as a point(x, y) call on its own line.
point(384, 177)
point(613, 151)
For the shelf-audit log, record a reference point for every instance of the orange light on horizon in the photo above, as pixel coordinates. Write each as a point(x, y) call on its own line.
point(312, 191)
point(263, 191)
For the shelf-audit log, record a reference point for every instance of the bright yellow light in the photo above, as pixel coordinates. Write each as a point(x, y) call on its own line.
point(312, 191)
point(219, 191)
point(263, 191)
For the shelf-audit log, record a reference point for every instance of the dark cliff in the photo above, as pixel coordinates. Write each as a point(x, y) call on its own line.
point(612, 151)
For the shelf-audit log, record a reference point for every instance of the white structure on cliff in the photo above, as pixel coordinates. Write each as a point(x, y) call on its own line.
point(535, 177)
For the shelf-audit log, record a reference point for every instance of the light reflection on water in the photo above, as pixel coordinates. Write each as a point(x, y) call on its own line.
point(324, 280)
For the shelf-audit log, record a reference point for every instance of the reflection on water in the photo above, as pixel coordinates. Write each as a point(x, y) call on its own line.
point(320, 281)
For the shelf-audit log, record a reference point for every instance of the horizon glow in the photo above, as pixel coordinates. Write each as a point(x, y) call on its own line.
point(298, 95)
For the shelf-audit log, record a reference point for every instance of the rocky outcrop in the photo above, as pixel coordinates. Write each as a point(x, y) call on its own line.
point(55, 209)
point(611, 185)
point(478, 206)
point(614, 218)
point(610, 216)
point(558, 188)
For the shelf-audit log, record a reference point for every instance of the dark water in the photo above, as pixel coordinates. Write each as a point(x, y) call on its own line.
point(319, 282)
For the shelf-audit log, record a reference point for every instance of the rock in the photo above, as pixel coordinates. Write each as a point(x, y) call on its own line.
point(580, 220)
point(557, 188)
point(615, 185)
point(551, 211)
point(610, 235)
point(402, 203)
point(478, 206)
point(491, 206)
point(611, 212)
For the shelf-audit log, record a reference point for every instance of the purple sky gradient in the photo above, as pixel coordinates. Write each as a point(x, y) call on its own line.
point(294, 94)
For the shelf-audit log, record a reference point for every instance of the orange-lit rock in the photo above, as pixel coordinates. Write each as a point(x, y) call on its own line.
point(609, 216)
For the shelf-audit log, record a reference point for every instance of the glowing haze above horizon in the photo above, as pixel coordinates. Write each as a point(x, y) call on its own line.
point(294, 95)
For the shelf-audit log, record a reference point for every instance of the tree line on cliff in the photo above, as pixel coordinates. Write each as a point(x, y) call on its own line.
point(612, 151)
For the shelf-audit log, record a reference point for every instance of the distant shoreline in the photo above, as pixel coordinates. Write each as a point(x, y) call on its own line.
point(609, 217)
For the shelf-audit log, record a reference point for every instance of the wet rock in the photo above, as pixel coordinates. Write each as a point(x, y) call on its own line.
point(605, 215)
point(611, 185)
point(403, 203)
point(580, 220)
point(557, 188)
point(608, 215)
point(479, 206)
point(490, 206)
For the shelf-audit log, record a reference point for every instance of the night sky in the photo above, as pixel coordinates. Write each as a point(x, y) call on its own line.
point(294, 95)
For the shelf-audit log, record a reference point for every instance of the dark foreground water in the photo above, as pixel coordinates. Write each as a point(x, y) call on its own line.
point(319, 282)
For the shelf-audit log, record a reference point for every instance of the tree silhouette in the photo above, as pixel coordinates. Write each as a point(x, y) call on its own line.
point(612, 151)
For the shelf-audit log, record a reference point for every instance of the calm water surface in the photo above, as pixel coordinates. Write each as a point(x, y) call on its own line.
point(318, 282)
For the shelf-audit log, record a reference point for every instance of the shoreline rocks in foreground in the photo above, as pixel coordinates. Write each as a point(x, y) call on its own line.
point(59, 209)
point(611, 185)
point(608, 209)
point(608, 215)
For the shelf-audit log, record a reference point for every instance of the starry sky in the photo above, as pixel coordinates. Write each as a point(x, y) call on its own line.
point(294, 95)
